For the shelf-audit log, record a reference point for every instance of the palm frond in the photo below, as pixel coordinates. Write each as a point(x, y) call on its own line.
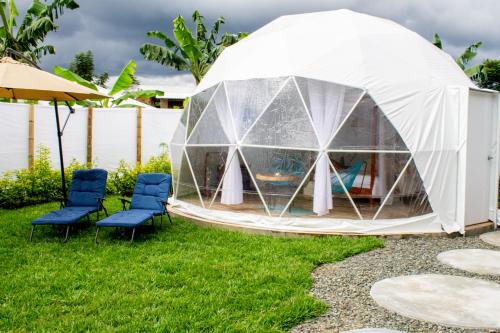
point(187, 43)
point(468, 54)
point(137, 94)
point(125, 80)
point(162, 36)
point(201, 30)
point(73, 77)
point(436, 40)
point(163, 56)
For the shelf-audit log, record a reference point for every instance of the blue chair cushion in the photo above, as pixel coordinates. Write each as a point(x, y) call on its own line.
point(150, 190)
point(62, 216)
point(86, 187)
point(127, 218)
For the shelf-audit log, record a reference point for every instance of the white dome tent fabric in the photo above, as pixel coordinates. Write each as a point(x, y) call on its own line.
point(339, 122)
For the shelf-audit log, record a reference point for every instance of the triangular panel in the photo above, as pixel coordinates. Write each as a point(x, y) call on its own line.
point(367, 128)
point(278, 173)
point(285, 123)
point(197, 104)
point(408, 198)
point(215, 125)
point(322, 96)
point(249, 98)
point(252, 202)
point(208, 165)
point(368, 177)
point(186, 189)
point(176, 153)
point(179, 137)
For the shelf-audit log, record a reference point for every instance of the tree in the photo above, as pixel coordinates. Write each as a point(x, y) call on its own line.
point(123, 84)
point(83, 65)
point(194, 53)
point(490, 78)
point(30, 34)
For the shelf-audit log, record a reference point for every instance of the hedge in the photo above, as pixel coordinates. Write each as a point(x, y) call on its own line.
point(42, 183)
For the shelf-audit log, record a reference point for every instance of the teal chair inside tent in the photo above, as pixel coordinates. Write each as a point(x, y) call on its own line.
point(348, 177)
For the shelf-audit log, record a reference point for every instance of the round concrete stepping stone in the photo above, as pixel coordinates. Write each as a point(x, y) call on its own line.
point(372, 330)
point(492, 238)
point(442, 299)
point(473, 260)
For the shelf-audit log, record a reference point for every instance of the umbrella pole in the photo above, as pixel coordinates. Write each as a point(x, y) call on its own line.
point(61, 158)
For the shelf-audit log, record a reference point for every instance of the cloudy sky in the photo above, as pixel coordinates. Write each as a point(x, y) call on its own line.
point(115, 29)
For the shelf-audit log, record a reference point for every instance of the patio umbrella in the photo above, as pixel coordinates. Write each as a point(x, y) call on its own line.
point(22, 81)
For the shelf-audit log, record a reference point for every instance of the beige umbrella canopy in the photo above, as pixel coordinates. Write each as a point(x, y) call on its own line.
point(21, 81)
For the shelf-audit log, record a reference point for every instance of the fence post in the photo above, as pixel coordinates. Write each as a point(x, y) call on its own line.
point(139, 135)
point(31, 135)
point(90, 114)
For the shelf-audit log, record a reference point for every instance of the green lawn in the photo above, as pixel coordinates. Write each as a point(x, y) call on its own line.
point(175, 279)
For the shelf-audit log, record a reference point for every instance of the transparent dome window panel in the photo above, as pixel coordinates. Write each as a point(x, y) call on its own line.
point(367, 128)
point(179, 136)
point(408, 198)
point(186, 189)
point(285, 122)
point(303, 203)
point(368, 178)
point(320, 95)
point(176, 154)
point(252, 202)
point(208, 164)
point(278, 173)
point(215, 125)
point(249, 98)
point(197, 105)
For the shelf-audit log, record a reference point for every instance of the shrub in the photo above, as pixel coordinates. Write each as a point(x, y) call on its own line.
point(39, 184)
point(42, 183)
point(122, 180)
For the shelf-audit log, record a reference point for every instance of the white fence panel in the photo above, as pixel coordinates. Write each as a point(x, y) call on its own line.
point(158, 127)
point(114, 137)
point(74, 135)
point(114, 134)
point(13, 136)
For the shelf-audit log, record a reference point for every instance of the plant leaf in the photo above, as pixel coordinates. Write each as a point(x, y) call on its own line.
point(468, 54)
point(163, 56)
point(73, 77)
point(162, 36)
point(137, 94)
point(201, 30)
point(125, 79)
point(187, 43)
point(436, 40)
point(13, 13)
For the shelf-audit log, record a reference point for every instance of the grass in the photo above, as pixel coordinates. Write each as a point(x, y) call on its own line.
point(180, 278)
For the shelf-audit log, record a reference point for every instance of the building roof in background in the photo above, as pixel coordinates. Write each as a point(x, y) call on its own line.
point(171, 92)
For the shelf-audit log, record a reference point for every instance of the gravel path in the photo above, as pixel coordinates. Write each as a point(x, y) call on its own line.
point(345, 286)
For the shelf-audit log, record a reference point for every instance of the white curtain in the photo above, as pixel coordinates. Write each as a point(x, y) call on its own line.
point(326, 104)
point(232, 184)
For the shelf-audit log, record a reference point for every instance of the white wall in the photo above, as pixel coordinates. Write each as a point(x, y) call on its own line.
point(113, 134)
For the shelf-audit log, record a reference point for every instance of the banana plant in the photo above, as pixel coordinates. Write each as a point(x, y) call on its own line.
point(39, 20)
point(190, 52)
point(467, 55)
point(123, 82)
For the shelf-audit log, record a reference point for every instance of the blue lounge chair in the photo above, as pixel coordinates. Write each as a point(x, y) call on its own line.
point(148, 200)
point(86, 196)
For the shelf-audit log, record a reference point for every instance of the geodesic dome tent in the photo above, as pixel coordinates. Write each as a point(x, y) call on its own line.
point(339, 122)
